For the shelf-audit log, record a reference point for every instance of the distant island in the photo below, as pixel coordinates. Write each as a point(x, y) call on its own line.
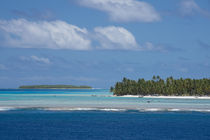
point(160, 87)
point(54, 87)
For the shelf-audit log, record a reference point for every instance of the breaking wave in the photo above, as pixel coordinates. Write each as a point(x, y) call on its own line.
point(104, 109)
point(84, 109)
point(7, 108)
point(124, 110)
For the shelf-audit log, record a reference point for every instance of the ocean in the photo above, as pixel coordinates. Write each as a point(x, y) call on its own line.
point(97, 115)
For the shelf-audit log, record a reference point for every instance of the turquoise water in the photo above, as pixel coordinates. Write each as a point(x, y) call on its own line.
point(92, 99)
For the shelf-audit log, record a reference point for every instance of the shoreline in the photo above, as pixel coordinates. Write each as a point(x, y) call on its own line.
point(167, 97)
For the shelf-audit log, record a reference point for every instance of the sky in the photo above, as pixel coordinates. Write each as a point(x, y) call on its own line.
point(98, 42)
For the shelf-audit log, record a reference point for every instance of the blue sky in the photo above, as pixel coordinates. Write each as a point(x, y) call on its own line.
point(98, 42)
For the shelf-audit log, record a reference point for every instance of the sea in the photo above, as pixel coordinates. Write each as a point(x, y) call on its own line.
point(95, 114)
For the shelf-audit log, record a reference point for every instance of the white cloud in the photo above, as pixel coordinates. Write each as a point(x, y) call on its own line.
point(124, 10)
point(115, 38)
point(40, 59)
point(22, 33)
point(118, 38)
point(44, 34)
point(190, 7)
point(37, 59)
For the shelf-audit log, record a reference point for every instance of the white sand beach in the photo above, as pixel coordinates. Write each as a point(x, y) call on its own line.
point(168, 97)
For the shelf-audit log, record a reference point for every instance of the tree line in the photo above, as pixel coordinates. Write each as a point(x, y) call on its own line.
point(167, 87)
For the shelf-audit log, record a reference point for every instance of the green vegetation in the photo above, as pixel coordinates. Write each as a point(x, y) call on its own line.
point(158, 86)
point(54, 87)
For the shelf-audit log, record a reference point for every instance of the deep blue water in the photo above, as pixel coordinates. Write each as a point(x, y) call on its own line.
point(100, 125)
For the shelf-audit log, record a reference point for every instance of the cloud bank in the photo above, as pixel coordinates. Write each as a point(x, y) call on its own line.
point(43, 34)
point(124, 10)
point(21, 33)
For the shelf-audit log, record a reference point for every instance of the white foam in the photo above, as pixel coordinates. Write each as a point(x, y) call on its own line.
point(152, 109)
point(69, 109)
point(82, 109)
point(6, 108)
point(168, 97)
point(121, 109)
point(108, 109)
point(112, 109)
point(199, 110)
point(174, 109)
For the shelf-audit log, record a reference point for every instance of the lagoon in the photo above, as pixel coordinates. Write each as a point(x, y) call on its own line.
point(93, 99)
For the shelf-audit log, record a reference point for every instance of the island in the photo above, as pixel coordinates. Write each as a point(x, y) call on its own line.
point(54, 87)
point(160, 87)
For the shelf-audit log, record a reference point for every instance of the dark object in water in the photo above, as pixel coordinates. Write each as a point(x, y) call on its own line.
point(93, 95)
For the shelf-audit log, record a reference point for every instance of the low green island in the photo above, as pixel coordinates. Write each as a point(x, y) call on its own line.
point(54, 87)
point(161, 87)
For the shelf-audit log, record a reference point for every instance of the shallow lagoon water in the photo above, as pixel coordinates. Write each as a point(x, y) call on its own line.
point(92, 99)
